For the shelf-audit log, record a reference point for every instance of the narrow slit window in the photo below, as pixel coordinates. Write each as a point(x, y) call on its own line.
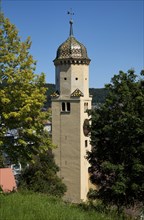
point(86, 143)
point(68, 106)
point(63, 106)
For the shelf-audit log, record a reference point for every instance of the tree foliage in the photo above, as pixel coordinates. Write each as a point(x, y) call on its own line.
point(98, 95)
point(22, 96)
point(41, 176)
point(117, 139)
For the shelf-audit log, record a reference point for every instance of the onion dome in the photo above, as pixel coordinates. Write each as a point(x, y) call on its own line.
point(71, 51)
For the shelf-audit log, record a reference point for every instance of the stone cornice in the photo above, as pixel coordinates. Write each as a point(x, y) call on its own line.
point(71, 61)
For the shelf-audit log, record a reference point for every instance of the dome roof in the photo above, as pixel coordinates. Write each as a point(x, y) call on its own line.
point(71, 48)
point(71, 51)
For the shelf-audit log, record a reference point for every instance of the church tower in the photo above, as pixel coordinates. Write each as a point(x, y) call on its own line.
point(69, 117)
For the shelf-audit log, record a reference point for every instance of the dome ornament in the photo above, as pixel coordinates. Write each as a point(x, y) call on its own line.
point(71, 51)
point(71, 13)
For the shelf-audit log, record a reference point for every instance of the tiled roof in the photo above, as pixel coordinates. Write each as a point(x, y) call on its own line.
point(71, 48)
point(72, 51)
point(55, 94)
point(7, 180)
point(77, 93)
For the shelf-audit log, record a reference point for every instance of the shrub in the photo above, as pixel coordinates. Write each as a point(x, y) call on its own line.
point(41, 176)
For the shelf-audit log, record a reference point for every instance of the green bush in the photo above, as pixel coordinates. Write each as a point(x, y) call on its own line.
point(41, 176)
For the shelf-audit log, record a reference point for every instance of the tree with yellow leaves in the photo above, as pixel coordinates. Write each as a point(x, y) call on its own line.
point(22, 96)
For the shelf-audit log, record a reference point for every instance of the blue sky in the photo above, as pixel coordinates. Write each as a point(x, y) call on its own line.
point(112, 31)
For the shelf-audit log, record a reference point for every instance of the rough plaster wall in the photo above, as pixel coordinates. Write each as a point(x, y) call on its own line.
point(69, 78)
point(70, 148)
point(66, 134)
point(67, 130)
point(82, 82)
point(56, 129)
point(84, 163)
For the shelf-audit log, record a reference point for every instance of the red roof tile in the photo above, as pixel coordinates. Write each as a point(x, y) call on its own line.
point(7, 180)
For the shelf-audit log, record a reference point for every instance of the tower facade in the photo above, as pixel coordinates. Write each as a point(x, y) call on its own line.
point(69, 117)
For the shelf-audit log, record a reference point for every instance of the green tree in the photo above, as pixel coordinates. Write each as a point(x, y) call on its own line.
point(117, 139)
point(41, 176)
point(22, 96)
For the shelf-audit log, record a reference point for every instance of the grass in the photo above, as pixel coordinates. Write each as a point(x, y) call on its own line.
point(33, 206)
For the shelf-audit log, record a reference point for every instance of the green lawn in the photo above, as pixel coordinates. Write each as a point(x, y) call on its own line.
point(33, 206)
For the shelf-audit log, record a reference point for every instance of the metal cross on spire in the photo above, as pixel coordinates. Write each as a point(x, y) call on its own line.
point(71, 13)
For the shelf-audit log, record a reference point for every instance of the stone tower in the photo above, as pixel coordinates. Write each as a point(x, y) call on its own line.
point(69, 117)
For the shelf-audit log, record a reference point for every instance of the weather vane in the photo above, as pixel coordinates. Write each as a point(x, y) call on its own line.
point(71, 13)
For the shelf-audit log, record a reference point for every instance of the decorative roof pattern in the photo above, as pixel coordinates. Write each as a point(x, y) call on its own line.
point(77, 93)
point(55, 94)
point(71, 51)
point(71, 48)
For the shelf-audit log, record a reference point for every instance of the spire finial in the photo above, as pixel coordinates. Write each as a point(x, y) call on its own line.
point(71, 13)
